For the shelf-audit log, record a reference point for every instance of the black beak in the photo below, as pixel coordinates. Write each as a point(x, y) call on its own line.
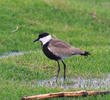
point(36, 40)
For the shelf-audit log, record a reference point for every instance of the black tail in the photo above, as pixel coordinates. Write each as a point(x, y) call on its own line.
point(86, 53)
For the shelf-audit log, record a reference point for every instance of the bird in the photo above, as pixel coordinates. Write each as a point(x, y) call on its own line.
point(58, 50)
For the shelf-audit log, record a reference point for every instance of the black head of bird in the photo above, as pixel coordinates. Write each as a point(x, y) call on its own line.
point(43, 37)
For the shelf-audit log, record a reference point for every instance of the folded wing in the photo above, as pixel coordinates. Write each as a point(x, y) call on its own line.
point(62, 49)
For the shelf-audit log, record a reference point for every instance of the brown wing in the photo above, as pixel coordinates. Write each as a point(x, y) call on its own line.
point(76, 51)
point(62, 49)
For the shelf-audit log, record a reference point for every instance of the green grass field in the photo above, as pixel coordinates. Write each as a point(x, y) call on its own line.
point(72, 21)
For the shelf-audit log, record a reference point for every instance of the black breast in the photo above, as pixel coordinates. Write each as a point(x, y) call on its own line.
point(48, 53)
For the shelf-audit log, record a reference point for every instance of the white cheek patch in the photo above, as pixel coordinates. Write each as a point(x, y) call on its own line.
point(46, 39)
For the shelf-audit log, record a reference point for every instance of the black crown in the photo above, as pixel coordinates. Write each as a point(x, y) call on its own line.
point(41, 35)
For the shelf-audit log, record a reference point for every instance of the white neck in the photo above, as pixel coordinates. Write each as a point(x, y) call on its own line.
point(46, 39)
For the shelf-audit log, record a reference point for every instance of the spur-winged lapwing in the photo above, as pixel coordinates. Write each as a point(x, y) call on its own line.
point(58, 50)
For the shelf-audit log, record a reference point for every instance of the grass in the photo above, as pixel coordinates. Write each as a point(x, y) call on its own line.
point(71, 21)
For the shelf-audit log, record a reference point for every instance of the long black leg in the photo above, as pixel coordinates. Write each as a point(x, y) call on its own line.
point(58, 70)
point(64, 69)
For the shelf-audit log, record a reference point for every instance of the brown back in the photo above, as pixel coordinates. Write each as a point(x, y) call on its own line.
point(62, 49)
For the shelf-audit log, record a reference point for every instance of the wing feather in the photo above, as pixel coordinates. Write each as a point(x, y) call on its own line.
point(62, 49)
